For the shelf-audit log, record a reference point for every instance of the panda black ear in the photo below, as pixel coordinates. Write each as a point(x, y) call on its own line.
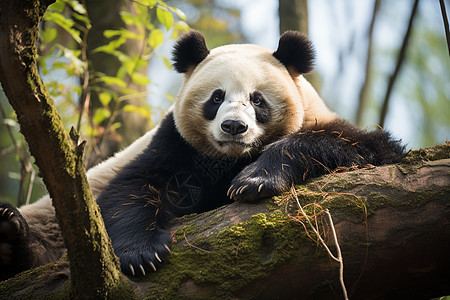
point(189, 51)
point(296, 52)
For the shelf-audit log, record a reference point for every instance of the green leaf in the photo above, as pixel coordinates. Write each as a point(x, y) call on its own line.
point(140, 79)
point(58, 6)
point(164, 16)
point(156, 38)
point(49, 34)
point(170, 97)
point(100, 115)
point(105, 98)
point(143, 110)
point(178, 12)
point(129, 18)
point(149, 3)
point(66, 24)
point(78, 7)
point(115, 126)
point(113, 81)
point(166, 61)
point(112, 46)
point(83, 19)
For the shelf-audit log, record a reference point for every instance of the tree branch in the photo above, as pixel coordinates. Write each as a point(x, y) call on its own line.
point(392, 224)
point(400, 59)
point(365, 85)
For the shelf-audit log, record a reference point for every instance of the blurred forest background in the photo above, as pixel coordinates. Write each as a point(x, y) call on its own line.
point(107, 65)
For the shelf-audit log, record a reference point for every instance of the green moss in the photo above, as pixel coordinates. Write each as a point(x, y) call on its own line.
point(236, 256)
point(187, 229)
point(437, 152)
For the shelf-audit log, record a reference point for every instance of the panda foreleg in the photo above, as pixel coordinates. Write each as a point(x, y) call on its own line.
point(15, 254)
point(136, 221)
point(297, 157)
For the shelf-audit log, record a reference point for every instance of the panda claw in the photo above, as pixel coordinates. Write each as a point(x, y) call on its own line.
point(260, 187)
point(229, 191)
point(4, 212)
point(131, 269)
point(152, 265)
point(167, 247)
point(157, 257)
point(233, 193)
point(142, 270)
point(242, 189)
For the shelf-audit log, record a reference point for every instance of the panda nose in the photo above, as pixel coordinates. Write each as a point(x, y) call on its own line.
point(234, 127)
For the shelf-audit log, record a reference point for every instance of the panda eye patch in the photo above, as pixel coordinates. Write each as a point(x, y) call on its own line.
point(211, 106)
point(218, 96)
point(261, 107)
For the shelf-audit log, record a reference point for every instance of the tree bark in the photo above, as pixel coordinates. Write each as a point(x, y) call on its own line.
point(94, 268)
point(293, 15)
point(392, 223)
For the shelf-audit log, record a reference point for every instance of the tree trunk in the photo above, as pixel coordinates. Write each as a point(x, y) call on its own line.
point(294, 16)
point(392, 223)
point(94, 268)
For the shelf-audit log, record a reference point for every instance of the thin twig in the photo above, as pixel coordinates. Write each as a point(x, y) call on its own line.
point(312, 226)
point(446, 27)
point(400, 59)
point(25, 165)
point(365, 86)
point(339, 257)
point(193, 246)
point(30, 185)
point(85, 93)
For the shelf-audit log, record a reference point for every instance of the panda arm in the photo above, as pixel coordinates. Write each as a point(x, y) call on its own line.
point(307, 154)
point(133, 205)
point(135, 221)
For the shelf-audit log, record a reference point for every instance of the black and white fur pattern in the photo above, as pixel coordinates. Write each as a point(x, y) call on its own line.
point(246, 125)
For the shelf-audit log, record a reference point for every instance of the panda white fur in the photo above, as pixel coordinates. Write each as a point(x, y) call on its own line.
point(246, 125)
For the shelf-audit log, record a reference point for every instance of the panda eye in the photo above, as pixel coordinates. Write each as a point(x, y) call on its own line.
point(218, 96)
point(257, 99)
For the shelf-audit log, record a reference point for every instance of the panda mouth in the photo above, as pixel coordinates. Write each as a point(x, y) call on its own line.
point(236, 143)
point(233, 142)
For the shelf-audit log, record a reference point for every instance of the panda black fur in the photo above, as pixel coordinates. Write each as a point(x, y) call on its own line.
point(246, 125)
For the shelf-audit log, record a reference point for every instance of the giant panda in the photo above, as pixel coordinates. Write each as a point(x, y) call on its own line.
point(246, 125)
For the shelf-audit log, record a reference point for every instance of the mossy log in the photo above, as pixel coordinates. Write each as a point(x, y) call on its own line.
point(392, 223)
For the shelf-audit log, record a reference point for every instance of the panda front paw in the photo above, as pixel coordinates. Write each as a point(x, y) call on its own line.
point(256, 182)
point(146, 255)
point(14, 245)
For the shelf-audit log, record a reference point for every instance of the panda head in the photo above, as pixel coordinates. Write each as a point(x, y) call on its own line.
point(236, 99)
